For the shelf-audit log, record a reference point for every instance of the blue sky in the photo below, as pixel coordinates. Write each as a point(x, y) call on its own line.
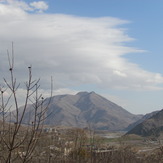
point(145, 17)
point(112, 47)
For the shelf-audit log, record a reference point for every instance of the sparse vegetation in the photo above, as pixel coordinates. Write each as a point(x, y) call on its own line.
point(18, 142)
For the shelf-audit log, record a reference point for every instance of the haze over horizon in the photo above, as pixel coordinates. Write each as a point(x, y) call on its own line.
point(110, 47)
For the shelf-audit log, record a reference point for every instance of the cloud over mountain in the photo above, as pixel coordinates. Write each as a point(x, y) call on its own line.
point(75, 50)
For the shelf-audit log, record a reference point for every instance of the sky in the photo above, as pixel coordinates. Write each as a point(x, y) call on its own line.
point(111, 47)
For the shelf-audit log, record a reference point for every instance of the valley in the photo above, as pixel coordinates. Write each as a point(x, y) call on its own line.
point(85, 127)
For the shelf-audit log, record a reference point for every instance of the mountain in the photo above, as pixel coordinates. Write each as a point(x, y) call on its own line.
point(152, 126)
point(86, 109)
point(147, 116)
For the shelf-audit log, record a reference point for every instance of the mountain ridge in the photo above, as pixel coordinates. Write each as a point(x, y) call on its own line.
point(152, 126)
point(145, 117)
point(85, 109)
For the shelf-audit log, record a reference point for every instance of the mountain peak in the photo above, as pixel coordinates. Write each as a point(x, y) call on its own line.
point(85, 93)
point(87, 108)
point(92, 92)
point(82, 93)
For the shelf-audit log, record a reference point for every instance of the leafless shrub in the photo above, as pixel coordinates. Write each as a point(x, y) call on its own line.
point(17, 142)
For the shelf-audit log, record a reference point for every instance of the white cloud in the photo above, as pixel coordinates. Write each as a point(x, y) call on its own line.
point(74, 50)
point(40, 5)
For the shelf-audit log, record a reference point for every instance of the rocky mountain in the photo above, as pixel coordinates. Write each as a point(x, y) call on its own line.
point(146, 116)
point(152, 126)
point(86, 109)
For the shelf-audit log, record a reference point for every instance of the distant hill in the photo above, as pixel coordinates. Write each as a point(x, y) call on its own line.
point(146, 116)
point(86, 109)
point(152, 126)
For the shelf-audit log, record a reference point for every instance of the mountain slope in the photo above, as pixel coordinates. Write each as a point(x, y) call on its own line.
point(145, 117)
point(152, 126)
point(87, 109)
